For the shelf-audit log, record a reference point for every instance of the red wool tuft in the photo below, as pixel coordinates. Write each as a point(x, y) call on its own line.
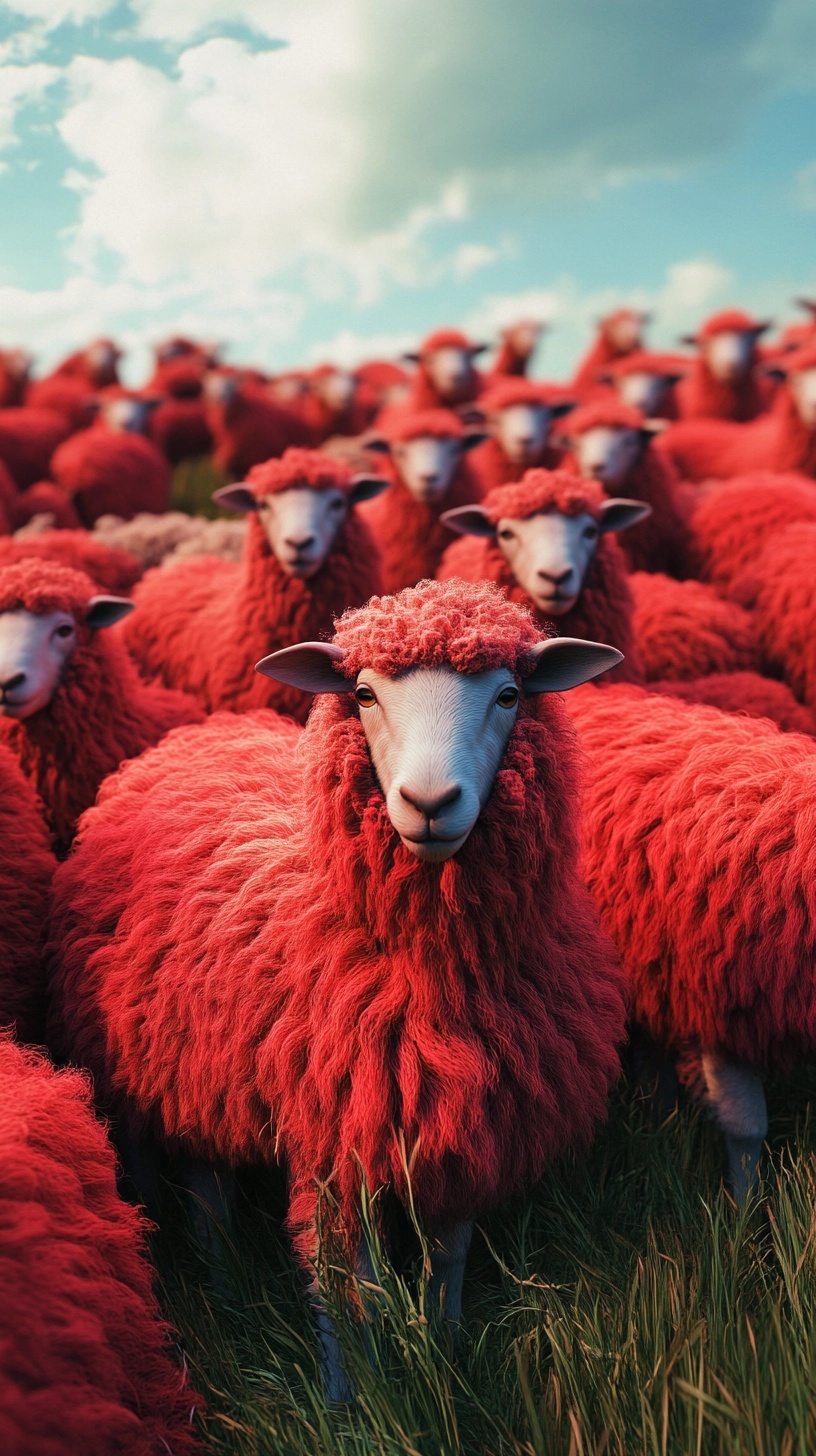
point(26, 868)
point(603, 612)
point(28, 439)
point(778, 440)
point(112, 472)
point(777, 588)
point(325, 994)
point(744, 692)
point(203, 626)
point(100, 714)
point(699, 851)
point(684, 630)
point(111, 569)
point(727, 321)
point(734, 521)
point(440, 424)
point(85, 1360)
point(606, 413)
point(299, 468)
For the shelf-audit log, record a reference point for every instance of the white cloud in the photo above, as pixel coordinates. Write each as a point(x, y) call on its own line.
point(349, 348)
point(20, 85)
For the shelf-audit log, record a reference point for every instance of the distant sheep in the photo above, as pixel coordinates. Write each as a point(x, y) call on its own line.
point(723, 382)
point(153, 539)
point(109, 567)
point(619, 333)
point(520, 415)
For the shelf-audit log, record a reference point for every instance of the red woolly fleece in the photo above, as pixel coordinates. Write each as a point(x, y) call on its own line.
point(777, 588)
point(100, 714)
point(716, 449)
point(734, 521)
point(204, 625)
point(84, 1355)
point(26, 868)
point(251, 427)
point(28, 439)
point(112, 472)
point(299, 469)
point(744, 692)
point(698, 848)
point(603, 612)
point(684, 630)
point(111, 569)
point(409, 534)
point(325, 993)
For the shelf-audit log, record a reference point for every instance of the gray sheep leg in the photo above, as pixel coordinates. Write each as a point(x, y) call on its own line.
point(210, 1198)
point(336, 1386)
point(737, 1103)
point(448, 1258)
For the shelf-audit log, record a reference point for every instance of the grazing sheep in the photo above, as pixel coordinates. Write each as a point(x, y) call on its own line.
point(71, 704)
point(520, 414)
point(733, 521)
point(110, 568)
point(429, 475)
point(546, 542)
point(612, 443)
point(782, 439)
point(368, 952)
point(204, 625)
point(85, 1364)
point(699, 851)
point(112, 468)
point(28, 439)
point(722, 382)
point(619, 333)
point(26, 869)
point(246, 425)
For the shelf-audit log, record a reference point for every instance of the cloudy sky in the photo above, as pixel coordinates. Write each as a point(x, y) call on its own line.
point(330, 178)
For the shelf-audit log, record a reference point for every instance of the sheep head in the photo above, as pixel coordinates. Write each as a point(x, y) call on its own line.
point(36, 647)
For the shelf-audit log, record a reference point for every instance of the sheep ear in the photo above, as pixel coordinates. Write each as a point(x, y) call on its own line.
point(566, 662)
point(690, 340)
point(473, 438)
point(618, 514)
point(235, 497)
point(365, 488)
point(563, 408)
point(476, 349)
point(104, 611)
point(469, 521)
point(378, 444)
point(411, 358)
point(775, 371)
point(311, 666)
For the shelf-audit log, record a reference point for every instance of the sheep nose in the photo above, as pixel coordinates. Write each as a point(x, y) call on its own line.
point(301, 543)
point(430, 804)
point(429, 479)
point(10, 683)
point(557, 577)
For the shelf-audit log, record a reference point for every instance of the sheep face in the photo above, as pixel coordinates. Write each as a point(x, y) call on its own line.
point(729, 354)
point(35, 649)
point(127, 414)
point(521, 431)
point(608, 453)
point(523, 337)
point(802, 384)
point(624, 331)
point(427, 464)
point(101, 358)
point(450, 371)
point(301, 526)
point(643, 391)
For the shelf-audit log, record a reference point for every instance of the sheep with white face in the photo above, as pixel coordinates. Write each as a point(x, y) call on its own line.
point(301, 524)
point(645, 389)
point(427, 464)
point(729, 354)
point(549, 553)
point(521, 431)
point(437, 736)
point(608, 453)
point(335, 389)
point(35, 650)
point(450, 370)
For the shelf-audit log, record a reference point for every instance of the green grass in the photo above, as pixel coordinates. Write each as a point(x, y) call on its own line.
point(192, 486)
point(625, 1308)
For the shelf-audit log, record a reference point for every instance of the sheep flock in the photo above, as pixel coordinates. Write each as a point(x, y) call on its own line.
point(399, 763)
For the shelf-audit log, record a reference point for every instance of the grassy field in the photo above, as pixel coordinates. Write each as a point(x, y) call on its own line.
point(625, 1308)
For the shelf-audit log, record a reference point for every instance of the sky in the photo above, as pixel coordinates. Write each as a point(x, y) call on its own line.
point(304, 180)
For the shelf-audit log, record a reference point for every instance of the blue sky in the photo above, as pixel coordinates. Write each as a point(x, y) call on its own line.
point(331, 178)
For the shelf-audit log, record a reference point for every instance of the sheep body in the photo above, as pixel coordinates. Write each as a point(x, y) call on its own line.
point(744, 692)
point(685, 630)
point(26, 868)
point(112, 569)
point(84, 1357)
point(734, 520)
point(777, 588)
point(703, 449)
point(28, 439)
point(112, 471)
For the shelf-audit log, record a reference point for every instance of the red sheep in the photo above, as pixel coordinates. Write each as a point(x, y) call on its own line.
point(111, 469)
point(699, 851)
point(647, 381)
point(619, 333)
point(520, 414)
point(684, 629)
point(15, 367)
point(517, 346)
point(333, 404)
point(611, 442)
point(28, 439)
point(85, 1364)
point(373, 950)
point(246, 425)
point(445, 377)
point(71, 704)
point(26, 868)
point(429, 475)
point(734, 521)
point(96, 366)
point(546, 542)
point(204, 625)
point(722, 382)
point(777, 588)
point(110, 568)
point(782, 439)
point(744, 692)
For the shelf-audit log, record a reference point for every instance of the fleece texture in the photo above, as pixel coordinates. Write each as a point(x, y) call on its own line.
point(744, 692)
point(112, 472)
point(328, 997)
point(717, 449)
point(698, 848)
point(110, 568)
point(603, 611)
point(734, 521)
point(85, 1365)
point(777, 588)
point(101, 712)
point(685, 630)
point(28, 439)
point(26, 869)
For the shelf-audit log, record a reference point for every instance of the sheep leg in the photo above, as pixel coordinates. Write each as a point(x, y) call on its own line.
point(210, 1198)
point(654, 1076)
point(737, 1103)
point(449, 1254)
point(336, 1386)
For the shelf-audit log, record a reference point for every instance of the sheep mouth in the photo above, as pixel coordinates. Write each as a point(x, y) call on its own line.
point(302, 566)
point(555, 602)
point(434, 848)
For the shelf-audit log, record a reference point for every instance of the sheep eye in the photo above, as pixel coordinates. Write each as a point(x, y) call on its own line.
point(364, 696)
point(63, 631)
point(337, 505)
point(508, 697)
point(591, 533)
point(506, 535)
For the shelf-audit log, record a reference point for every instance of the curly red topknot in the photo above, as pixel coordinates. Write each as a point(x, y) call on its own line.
point(85, 1364)
point(472, 627)
point(729, 321)
point(444, 339)
point(101, 712)
point(440, 424)
point(603, 612)
point(26, 869)
point(298, 467)
point(516, 389)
